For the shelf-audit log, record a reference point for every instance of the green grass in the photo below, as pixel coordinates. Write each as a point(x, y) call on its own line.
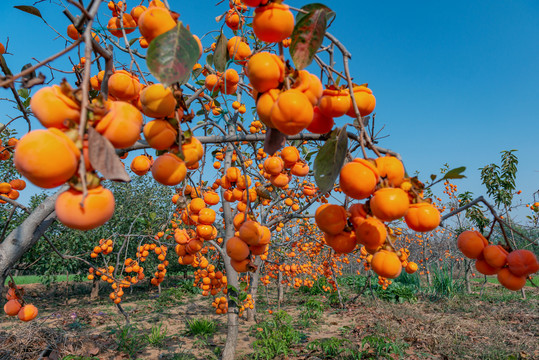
point(490, 279)
point(201, 327)
point(157, 336)
point(36, 279)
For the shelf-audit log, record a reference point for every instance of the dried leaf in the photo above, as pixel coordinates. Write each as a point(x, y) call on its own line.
point(104, 159)
point(40, 79)
point(274, 141)
point(93, 351)
point(262, 192)
point(30, 10)
point(4, 67)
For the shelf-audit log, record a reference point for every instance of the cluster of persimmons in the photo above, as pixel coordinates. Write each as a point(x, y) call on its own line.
point(119, 119)
point(16, 306)
point(11, 189)
point(389, 197)
point(511, 267)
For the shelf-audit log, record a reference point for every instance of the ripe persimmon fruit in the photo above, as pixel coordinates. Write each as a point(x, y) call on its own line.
point(386, 264)
point(168, 169)
point(157, 101)
point(292, 112)
point(47, 158)
point(330, 218)
point(471, 244)
point(522, 262)
point(273, 22)
point(98, 208)
point(422, 217)
point(358, 179)
point(160, 134)
point(389, 204)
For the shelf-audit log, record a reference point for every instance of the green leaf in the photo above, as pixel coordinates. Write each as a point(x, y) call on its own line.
point(221, 53)
point(234, 300)
point(132, 41)
point(309, 33)
point(330, 159)
point(23, 93)
point(30, 10)
point(432, 177)
point(172, 55)
point(455, 173)
point(209, 60)
point(196, 73)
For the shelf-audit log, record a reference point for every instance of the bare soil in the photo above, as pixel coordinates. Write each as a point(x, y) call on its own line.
point(497, 325)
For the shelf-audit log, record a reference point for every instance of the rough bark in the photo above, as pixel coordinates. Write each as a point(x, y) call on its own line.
point(229, 351)
point(253, 290)
point(341, 302)
point(94, 294)
point(280, 292)
point(22, 238)
point(467, 276)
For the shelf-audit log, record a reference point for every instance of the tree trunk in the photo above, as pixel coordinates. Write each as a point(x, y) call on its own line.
point(67, 287)
point(426, 264)
point(22, 238)
point(229, 351)
point(253, 290)
point(483, 286)
point(341, 303)
point(467, 265)
point(280, 292)
point(94, 294)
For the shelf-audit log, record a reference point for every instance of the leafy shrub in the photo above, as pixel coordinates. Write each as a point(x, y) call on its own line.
point(397, 293)
point(311, 311)
point(412, 280)
point(130, 340)
point(333, 348)
point(275, 336)
point(377, 347)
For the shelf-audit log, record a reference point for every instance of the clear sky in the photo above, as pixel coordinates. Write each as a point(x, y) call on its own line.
point(455, 82)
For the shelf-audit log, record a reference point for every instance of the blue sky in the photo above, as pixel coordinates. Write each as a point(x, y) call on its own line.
point(455, 82)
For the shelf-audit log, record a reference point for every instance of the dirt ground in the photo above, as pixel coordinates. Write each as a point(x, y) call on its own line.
point(498, 325)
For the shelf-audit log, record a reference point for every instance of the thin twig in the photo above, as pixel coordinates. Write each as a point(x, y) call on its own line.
point(31, 69)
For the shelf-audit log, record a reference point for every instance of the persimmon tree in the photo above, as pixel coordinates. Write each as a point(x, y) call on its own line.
point(244, 135)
